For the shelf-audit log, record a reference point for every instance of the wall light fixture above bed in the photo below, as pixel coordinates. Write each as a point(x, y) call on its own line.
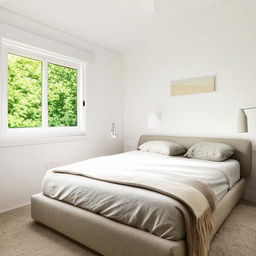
point(113, 133)
point(154, 120)
point(242, 121)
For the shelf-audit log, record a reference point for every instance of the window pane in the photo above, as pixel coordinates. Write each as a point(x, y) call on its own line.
point(62, 96)
point(24, 92)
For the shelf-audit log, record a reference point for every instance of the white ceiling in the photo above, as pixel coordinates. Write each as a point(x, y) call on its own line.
point(116, 24)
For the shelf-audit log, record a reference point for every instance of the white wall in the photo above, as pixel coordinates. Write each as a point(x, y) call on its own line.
point(22, 167)
point(221, 41)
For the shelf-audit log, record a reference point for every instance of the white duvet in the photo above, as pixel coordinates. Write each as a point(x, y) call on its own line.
point(137, 207)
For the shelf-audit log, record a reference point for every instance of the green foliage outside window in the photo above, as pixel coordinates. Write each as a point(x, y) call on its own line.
point(62, 96)
point(25, 93)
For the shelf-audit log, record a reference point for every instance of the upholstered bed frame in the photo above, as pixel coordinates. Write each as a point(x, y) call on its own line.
point(111, 238)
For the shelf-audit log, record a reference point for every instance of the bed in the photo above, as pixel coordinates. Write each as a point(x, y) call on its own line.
point(62, 207)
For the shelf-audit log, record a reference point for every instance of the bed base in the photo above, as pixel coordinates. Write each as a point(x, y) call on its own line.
point(111, 238)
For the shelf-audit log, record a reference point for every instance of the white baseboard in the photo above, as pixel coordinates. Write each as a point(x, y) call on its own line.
point(7, 210)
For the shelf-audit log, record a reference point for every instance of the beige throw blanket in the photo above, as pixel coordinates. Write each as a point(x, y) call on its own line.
point(196, 197)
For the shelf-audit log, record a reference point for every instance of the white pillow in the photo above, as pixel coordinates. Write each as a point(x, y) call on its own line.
point(210, 151)
point(163, 147)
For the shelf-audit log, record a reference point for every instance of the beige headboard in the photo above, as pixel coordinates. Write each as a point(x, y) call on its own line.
point(243, 147)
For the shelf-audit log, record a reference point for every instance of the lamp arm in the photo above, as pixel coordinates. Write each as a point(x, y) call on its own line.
point(248, 108)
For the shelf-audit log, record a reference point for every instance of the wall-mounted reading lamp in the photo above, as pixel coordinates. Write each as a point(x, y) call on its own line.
point(242, 122)
point(113, 132)
point(154, 120)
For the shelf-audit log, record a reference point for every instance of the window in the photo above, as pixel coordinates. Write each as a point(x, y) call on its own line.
point(24, 92)
point(42, 92)
point(62, 96)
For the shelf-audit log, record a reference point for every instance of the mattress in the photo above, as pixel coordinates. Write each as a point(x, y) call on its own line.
point(140, 208)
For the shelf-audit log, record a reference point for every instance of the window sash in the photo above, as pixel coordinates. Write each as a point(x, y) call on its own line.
point(45, 57)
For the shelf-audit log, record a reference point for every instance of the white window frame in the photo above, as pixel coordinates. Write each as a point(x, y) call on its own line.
point(12, 47)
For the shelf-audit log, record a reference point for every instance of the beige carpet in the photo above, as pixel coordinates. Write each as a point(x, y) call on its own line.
point(19, 235)
point(237, 235)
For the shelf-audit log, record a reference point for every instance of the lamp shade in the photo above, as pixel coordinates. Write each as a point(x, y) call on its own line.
point(242, 123)
point(154, 121)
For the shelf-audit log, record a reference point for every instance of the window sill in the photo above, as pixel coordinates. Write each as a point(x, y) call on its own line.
point(36, 139)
